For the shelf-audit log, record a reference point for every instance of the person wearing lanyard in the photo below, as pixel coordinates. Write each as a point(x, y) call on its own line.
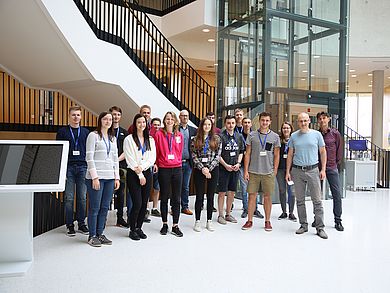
point(140, 153)
point(102, 177)
point(169, 149)
point(75, 173)
point(230, 163)
point(120, 134)
point(285, 133)
point(239, 115)
point(205, 151)
point(261, 166)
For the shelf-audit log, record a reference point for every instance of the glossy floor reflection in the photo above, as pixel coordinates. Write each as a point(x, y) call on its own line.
point(227, 260)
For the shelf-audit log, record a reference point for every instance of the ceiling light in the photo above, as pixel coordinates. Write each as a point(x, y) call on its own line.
point(370, 74)
point(304, 71)
point(163, 64)
point(316, 56)
point(312, 75)
point(370, 85)
point(303, 79)
point(337, 80)
point(211, 40)
point(281, 69)
point(352, 70)
point(258, 69)
point(388, 77)
point(347, 64)
point(215, 64)
point(353, 75)
point(205, 30)
point(236, 63)
point(302, 63)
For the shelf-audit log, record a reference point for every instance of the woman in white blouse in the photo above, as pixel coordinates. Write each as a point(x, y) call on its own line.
point(140, 154)
point(102, 177)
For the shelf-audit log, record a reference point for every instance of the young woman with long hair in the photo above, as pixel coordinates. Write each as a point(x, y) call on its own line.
point(140, 154)
point(285, 133)
point(169, 148)
point(205, 150)
point(102, 177)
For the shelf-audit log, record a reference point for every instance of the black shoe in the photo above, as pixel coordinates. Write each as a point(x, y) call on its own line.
point(339, 227)
point(104, 240)
point(291, 217)
point(214, 210)
point(164, 229)
point(134, 235)
point(313, 224)
point(147, 220)
point(176, 231)
point(83, 229)
point(70, 231)
point(282, 216)
point(156, 213)
point(120, 222)
point(257, 214)
point(141, 234)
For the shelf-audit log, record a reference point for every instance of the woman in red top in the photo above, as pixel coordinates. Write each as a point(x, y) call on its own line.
point(169, 148)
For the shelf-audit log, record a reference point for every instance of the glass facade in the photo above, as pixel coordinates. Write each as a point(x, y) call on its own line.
point(282, 56)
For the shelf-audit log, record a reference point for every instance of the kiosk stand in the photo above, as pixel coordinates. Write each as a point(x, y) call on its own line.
point(25, 167)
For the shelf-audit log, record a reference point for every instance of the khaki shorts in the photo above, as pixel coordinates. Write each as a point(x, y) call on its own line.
point(266, 182)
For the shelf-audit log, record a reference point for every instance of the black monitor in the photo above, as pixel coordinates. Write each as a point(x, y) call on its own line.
point(357, 145)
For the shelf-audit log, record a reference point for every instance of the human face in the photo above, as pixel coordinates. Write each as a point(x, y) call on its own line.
point(107, 121)
point(247, 124)
point(156, 124)
point(183, 117)
point(169, 121)
point(323, 121)
point(207, 126)
point(140, 124)
point(116, 116)
point(75, 117)
point(230, 124)
point(265, 122)
point(239, 115)
point(286, 129)
point(146, 113)
point(303, 121)
point(212, 118)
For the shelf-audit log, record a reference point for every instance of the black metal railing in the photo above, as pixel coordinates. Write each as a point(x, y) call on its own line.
point(48, 212)
point(161, 7)
point(155, 56)
point(376, 153)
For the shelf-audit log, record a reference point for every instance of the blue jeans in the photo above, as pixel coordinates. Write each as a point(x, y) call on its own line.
point(99, 202)
point(244, 193)
point(75, 175)
point(334, 183)
point(185, 186)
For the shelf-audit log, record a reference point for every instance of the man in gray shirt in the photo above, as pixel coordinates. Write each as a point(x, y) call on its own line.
point(260, 167)
point(304, 145)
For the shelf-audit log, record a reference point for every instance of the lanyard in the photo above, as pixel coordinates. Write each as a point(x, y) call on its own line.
point(265, 139)
point(108, 147)
point(170, 143)
point(239, 129)
point(286, 147)
point(143, 149)
point(206, 145)
point(75, 141)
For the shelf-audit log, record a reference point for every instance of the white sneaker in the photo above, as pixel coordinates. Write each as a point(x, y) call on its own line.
point(197, 226)
point(209, 226)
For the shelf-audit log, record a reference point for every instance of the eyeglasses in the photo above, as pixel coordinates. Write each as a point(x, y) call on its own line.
point(305, 120)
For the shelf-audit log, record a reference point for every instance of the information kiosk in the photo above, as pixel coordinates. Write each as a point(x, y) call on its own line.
point(26, 166)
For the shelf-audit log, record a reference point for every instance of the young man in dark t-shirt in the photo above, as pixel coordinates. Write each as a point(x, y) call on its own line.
point(76, 171)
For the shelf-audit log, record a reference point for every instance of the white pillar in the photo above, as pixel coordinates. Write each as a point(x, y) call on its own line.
point(378, 135)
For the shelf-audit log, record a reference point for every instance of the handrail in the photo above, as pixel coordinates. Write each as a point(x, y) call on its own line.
point(149, 49)
point(160, 8)
point(377, 153)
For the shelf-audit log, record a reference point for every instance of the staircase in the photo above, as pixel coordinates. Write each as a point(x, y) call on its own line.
point(376, 153)
point(142, 41)
point(159, 8)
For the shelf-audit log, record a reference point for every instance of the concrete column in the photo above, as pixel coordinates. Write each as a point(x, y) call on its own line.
point(378, 135)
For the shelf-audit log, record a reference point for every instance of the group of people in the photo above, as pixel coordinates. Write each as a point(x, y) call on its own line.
point(164, 154)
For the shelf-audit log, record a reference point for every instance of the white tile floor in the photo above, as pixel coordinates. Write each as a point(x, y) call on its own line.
point(228, 260)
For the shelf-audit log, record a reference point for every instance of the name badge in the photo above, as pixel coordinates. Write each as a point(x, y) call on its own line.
point(76, 153)
point(284, 156)
point(178, 139)
point(232, 154)
point(263, 154)
point(171, 157)
point(205, 160)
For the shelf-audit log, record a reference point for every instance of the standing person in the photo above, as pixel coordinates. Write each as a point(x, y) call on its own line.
point(285, 133)
point(155, 125)
point(144, 110)
point(140, 153)
point(188, 133)
point(211, 116)
point(169, 147)
point(230, 162)
point(261, 166)
point(247, 125)
point(102, 177)
point(334, 155)
point(304, 145)
point(120, 134)
point(239, 115)
point(206, 151)
point(75, 172)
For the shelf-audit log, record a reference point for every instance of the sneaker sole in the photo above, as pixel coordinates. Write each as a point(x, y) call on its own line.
point(81, 232)
point(245, 228)
point(176, 234)
point(70, 235)
point(95, 245)
point(268, 229)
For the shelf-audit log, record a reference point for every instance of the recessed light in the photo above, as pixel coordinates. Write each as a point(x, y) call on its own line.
point(205, 30)
point(211, 40)
point(165, 58)
point(316, 56)
point(258, 69)
point(312, 75)
point(370, 85)
point(281, 69)
point(347, 64)
point(370, 74)
point(163, 64)
point(304, 71)
point(236, 63)
point(388, 77)
point(215, 64)
point(352, 70)
point(337, 80)
point(302, 63)
point(303, 79)
point(353, 75)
